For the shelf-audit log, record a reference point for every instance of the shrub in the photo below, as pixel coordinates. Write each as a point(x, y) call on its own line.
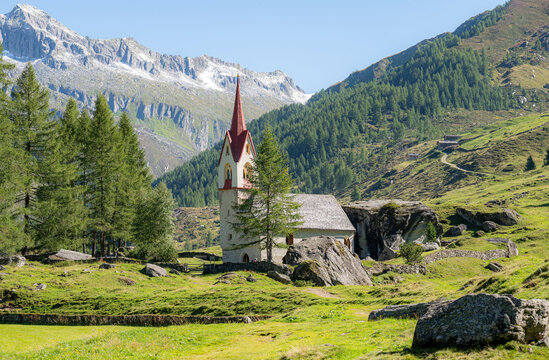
point(431, 233)
point(411, 252)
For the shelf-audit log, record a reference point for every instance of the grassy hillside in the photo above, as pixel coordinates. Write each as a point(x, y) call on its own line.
point(307, 323)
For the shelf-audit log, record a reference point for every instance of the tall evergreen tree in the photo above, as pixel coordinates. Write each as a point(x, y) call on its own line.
point(546, 161)
point(268, 209)
point(60, 204)
point(104, 164)
point(12, 237)
point(33, 129)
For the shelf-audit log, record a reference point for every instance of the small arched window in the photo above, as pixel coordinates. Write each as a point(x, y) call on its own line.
point(247, 171)
point(228, 172)
point(248, 149)
point(227, 150)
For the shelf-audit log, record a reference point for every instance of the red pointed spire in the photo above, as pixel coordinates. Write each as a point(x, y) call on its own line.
point(238, 125)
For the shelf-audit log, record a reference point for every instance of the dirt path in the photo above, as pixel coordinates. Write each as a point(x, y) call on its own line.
point(322, 293)
point(445, 162)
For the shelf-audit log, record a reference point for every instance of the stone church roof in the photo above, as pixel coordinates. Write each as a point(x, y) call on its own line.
point(322, 212)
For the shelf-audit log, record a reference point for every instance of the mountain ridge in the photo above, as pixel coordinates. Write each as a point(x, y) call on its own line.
point(193, 93)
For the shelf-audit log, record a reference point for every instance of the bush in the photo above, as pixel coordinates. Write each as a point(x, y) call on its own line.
point(411, 252)
point(431, 233)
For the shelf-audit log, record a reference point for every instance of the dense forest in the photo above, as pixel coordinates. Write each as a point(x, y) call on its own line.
point(79, 182)
point(326, 138)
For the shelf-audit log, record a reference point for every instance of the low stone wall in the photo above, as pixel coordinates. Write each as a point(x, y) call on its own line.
point(381, 268)
point(130, 320)
point(261, 266)
point(482, 255)
point(412, 311)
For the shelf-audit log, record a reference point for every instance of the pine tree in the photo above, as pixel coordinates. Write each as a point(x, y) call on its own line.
point(33, 130)
point(132, 178)
point(61, 210)
point(355, 195)
point(546, 162)
point(268, 209)
point(12, 237)
point(530, 164)
point(153, 225)
point(104, 164)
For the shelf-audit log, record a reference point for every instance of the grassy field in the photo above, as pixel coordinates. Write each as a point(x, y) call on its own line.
point(329, 323)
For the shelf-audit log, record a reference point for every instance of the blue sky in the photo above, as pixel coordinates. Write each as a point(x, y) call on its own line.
point(318, 43)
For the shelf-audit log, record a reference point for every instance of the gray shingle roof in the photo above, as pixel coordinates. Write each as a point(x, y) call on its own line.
point(322, 212)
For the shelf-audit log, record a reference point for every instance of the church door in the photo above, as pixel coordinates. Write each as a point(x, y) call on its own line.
point(245, 258)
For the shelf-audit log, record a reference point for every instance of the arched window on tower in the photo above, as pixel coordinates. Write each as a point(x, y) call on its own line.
point(248, 149)
point(228, 172)
point(247, 171)
point(227, 151)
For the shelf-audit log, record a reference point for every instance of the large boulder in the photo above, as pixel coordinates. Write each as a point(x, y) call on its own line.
point(15, 260)
point(69, 255)
point(456, 230)
point(383, 225)
point(154, 270)
point(325, 261)
point(506, 217)
point(489, 226)
point(482, 319)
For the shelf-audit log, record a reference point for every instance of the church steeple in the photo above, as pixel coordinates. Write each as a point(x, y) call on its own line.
point(238, 124)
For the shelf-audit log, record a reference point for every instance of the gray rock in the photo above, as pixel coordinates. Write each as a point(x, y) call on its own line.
point(383, 225)
point(489, 226)
point(382, 268)
point(251, 278)
point(126, 281)
point(40, 286)
point(87, 270)
point(14, 260)
point(506, 217)
point(2, 268)
point(430, 246)
point(155, 270)
point(281, 278)
point(325, 261)
point(482, 319)
point(107, 266)
point(175, 272)
point(456, 230)
point(494, 266)
point(69, 255)
point(498, 240)
point(512, 249)
point(412, 311)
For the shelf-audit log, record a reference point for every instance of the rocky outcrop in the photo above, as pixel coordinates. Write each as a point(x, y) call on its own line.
point(154, 270)
point(107, 266)
point(326, 262)
point(411, 311)
point(383, 225)
point(482, 319)
point(494, 266)
point(281, 278)
point(489, 226)
point(506, 217)
point(69, 255)
point(15, 260)
point(456, 230)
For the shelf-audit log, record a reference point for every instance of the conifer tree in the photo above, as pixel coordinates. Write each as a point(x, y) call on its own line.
point(61, 211)
point(33, 129)
point(12, 237)
point(153, 225)
point(104, 165)
point(530, 164)
point(546, 162)
point(268, 209)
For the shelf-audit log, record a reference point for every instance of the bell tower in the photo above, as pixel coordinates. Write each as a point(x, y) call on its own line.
point(233, 168)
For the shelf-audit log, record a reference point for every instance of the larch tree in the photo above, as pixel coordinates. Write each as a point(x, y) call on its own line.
point(104, 164)
point(33, 129)
point(267, 209)
point(12, 237)
point(61, 211)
